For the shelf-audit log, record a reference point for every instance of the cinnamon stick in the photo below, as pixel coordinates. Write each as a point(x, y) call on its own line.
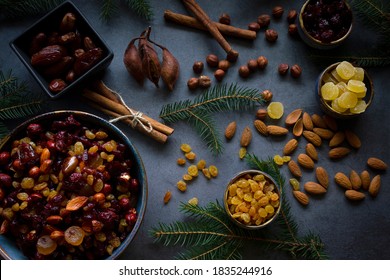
point(203, 18)
point(118, 108)
point(223, 28)
point(154, 134)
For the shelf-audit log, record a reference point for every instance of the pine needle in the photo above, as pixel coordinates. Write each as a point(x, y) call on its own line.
point(141, 7)
point(3, 131)
point(22, 8)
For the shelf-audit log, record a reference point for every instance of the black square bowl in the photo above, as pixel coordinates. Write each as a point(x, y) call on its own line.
point(50, 23)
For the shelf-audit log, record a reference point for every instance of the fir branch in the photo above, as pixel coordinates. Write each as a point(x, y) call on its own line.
point(109, 8)
point(362, 61)
point(20, 110)
point(22, 8)
point(3, 130)
point(141, 7)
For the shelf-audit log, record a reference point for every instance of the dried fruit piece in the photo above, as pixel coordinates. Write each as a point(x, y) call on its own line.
point(354, 195)
point(76, 203)
point(206, 173)
point(182, 186)
point(74, 235)
point(295, 184)
point(293, 117)
point(305, 161)
point(190, 155)
point(201, 164)
point(213, 171)
point(290, 146)
point(355, 179)
point(46, 245)
point(181, 161)
point(193, 201)
point(193, 170)
point(345, 70)
point(275, 110)
point(246, 137)
point(294, 169)
point(376, 163)
point(314, 188)
point(278, 160)
point(186, 148)
point(366, 180)
point(339, 152)
point(167, 197)
point(375, 185)
point(311, 151)
point(301, 197)
point(353, 139)
point(322, 177)
point(242, 152)
point(230, 130)
point(187, 177)
point(261, 127)
point(342, 180)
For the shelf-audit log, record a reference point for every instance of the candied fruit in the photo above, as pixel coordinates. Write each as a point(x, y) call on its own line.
point(345, 70)
point(347, 100)
point(359, 74)
point(356, 86)
point(329, 91)
point(275, 110)
point(359, 108)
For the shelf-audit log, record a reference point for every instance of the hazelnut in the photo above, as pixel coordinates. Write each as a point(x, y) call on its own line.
point(277, 12)
point(212, 60)
point(224, 65)
point(252, 65)
point(267, 95)
point(293, 30)
point(283, 68)
point(254, 26)
point(262, 62)
point(291, 16)
point(204, 81)
point(244, 71)
point(219, 74)
point(261, 114)
point(296, 71)
point(193, 83)
point(198, 67)
point(264, 20)
point(271, 35)
point(224, 19)
point(232, 56)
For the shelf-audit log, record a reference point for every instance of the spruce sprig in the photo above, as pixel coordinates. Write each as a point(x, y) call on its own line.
point(22, 8)
point(198, 112)
point(210, 234)
point(141, 7)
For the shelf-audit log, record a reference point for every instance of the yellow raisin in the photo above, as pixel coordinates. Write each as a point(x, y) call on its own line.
point(278, 160)
point(286, 158)
point(193, 201)
point(201, 164)
point(206, 173)
point(182, 186)
point(167, 197)
point(187, 177)
point(186, 148)
point(295, 184)
point(181, 161)
point(190, 155)
point(213, 171)
point(242, 152)
point(193, 170)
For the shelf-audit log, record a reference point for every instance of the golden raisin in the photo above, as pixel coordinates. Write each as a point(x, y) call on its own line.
point(190, 155)
point(193, 170)
point(181, 161)
point(213, 171)
point(167, 197)
point(182, 186)
point(185, 148)
point(201, 164)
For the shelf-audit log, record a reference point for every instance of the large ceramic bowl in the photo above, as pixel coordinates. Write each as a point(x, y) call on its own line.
point(50, 24)
point(106, 209)
point(258, 202)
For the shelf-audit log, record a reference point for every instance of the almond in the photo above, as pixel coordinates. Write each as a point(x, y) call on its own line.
point(342, 180)
point(301, 197)
point(355, 179)
point(246, 137)
point(76, 203)
point(376, 163)
point(276, 130)
point(305, 161)
point(293, 117)
point(318, 121)
point(294, 169)
point(307, 122)
point(312, 138)
point(230, 130)
point(365, 177)
point(324, 133)
point(54, 219)
point(311, 151)
point(338, 152)
point(322, 177)
point(353, 139)
point(354, 195)
point(330, 122)
point(314, 188)
point(261, 127)
point(375, 185)
point(337, 139)
point(290, 147)
point(298, 128)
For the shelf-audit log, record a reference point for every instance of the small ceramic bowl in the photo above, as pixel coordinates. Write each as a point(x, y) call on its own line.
point(326, 105)
point(49, 24)
point(268, 205)
point(317, 42)
point(9, 249)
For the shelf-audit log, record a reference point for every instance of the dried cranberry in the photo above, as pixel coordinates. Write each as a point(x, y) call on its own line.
point(4, 158)
point(124, 202)
point(131, 218)
point(134, 184)
point(5, 180)
point(108, 217)
point(27, 154)
point(34, 129)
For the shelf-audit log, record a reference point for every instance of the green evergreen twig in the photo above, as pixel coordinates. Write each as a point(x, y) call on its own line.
point(22, 8)
point(197, 112)
point(210, 234)
point(141, 7)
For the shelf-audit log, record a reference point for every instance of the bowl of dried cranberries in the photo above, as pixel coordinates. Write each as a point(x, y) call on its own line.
point(252, 199)
point(325, 24)
point(72, 186)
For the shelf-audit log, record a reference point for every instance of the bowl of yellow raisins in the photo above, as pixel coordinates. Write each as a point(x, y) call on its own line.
point(252, 199)
point(344, 90)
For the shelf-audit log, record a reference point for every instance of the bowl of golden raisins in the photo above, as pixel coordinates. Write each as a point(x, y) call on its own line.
point(252, 199)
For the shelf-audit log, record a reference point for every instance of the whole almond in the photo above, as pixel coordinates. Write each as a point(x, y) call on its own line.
point(230, 130)
point(305, 161)
point(301, 197)
point(307, 122)
point(294, 169)
point(311, 151)
point(246, 137)
point(377, 164)
point(76, 203)
point(318, 121)
point(290, 147)
point(261, 127)
point(337, 139)
point(342, 180)
point(324, 133)
point(314, 188)
point(312, 138)
point(276, 130)
point(298, 128)
point(322, 177)
point(353, 139)
point(293, 117)
point(375, 185)
point(366, 179)
point(339, 152)
point(330, 122)
point(355, 179)
point(354, 195)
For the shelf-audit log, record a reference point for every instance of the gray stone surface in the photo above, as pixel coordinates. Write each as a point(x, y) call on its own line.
point(348, 230)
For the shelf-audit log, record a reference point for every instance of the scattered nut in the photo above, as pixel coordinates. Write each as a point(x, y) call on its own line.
point(212, 60)
point(219, 74)
point(193, 83)
point(267, 95)
point(293, 30)
point(262, 62)
point(204, 81)
point(224, 65)
point(271, 35)
point(264, 20)
point(277, 12)
point(296, 71)
point(291, 16)
point(225, 19)
point(283, 69)
point(261, 114)
point(252, 65)
point(254, 26)
point(244, 71)
point(198, 67)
